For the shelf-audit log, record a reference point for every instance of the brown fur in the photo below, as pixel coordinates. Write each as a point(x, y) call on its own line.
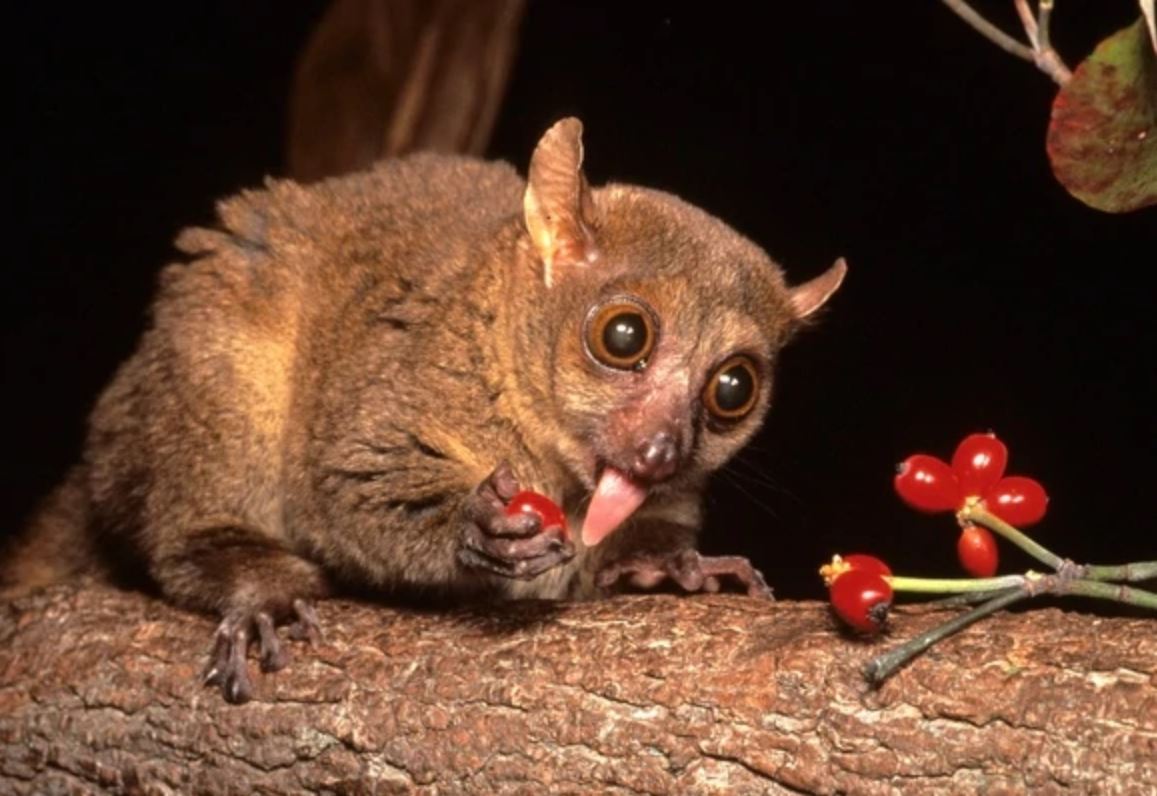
point(338, 367)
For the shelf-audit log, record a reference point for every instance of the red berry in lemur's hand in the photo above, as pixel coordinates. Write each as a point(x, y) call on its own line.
point(541, 505)
point(861, 599)
point(1017, 500)
point(928, 484)
point(979, 462)
point(976, 549)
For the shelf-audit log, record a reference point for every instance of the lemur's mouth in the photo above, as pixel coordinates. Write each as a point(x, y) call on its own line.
point(615, 498)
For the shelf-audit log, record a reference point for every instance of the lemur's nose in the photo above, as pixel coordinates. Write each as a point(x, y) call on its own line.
point(656, 457)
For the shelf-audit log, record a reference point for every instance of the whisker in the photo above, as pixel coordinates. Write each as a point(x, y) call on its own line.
point(768, 510)
point(755, 474)
point(755, 478)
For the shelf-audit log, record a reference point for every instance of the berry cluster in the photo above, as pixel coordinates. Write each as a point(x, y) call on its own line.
point(975, 479)
point(984, 500)
point(860, 586)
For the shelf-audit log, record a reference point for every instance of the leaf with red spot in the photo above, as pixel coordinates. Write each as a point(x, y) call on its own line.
point(1102, 139)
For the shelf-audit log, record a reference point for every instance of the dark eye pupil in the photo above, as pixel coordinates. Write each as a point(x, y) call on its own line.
point(625, 335)
point(733, 388)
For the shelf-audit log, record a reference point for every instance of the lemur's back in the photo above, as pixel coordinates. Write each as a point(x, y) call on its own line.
point(238, 333)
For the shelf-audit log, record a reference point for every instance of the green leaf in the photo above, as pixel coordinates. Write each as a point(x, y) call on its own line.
point(1102, 139)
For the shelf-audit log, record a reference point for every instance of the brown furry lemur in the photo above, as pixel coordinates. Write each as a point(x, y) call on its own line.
point(348, 382)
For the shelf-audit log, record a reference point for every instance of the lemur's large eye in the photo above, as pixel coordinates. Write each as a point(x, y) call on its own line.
point(620, 334)
point(732, 389)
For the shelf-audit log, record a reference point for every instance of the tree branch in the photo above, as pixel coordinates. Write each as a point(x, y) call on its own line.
point(99, 692)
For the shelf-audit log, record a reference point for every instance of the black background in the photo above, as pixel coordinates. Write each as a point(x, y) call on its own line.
point(981, 295)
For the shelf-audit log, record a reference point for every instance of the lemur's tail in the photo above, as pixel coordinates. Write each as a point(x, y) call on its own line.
point(54, 545)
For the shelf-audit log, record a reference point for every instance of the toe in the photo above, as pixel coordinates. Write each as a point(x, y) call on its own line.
point(237, 688)
point(271, 654)
point(307, 627)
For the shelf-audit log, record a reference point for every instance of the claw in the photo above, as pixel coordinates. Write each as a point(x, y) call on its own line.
point(272, 656)
point(741, 569)
point(307, 627)
point(236, 684)
point(504, 482)
point(228, 668)
point(520, 568)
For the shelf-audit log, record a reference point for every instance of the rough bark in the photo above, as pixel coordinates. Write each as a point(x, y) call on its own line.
point(99, 692)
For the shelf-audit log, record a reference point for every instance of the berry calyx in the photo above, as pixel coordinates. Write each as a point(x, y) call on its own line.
point(1017, 500)
point(927, 484)
point(976, 549)
point(534, 503)
point(861, 599)
point(853, 561)
point(978, 463)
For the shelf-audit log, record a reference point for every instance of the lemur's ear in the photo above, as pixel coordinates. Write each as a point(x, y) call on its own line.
point(814, 293)
point(558, 206)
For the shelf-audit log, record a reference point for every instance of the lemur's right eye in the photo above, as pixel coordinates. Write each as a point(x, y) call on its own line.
point(620, 334)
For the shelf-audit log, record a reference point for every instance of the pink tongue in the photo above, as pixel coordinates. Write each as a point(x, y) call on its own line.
point(616, 498)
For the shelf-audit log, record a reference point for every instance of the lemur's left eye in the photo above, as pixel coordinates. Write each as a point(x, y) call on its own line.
point(732, 389)
point(620, 334)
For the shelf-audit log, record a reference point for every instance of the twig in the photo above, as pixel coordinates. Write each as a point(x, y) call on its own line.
point(1070, 579)
point(1044, 56)
point(1107, 591)
point(1028, 19)
point(1016, 588)
point(1036, 27)
point(1044, 11)
point(881, 667)
point(964, 599)
point(990, 31)
point(1138, 570)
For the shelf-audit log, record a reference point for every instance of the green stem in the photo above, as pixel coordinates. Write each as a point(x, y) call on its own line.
point(954, 585)
point(883, 666)
point(979, 516)
point(1108, 591)
point(964, 599)
point(1138, 570)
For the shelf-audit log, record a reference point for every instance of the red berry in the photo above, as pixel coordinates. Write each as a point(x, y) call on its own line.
point(841, 565)
point(979, 463)
point(1017, 500)
point(862, 562)
point(544, 507)
point(976, 549)
point(927, 484)
point(862, 599)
